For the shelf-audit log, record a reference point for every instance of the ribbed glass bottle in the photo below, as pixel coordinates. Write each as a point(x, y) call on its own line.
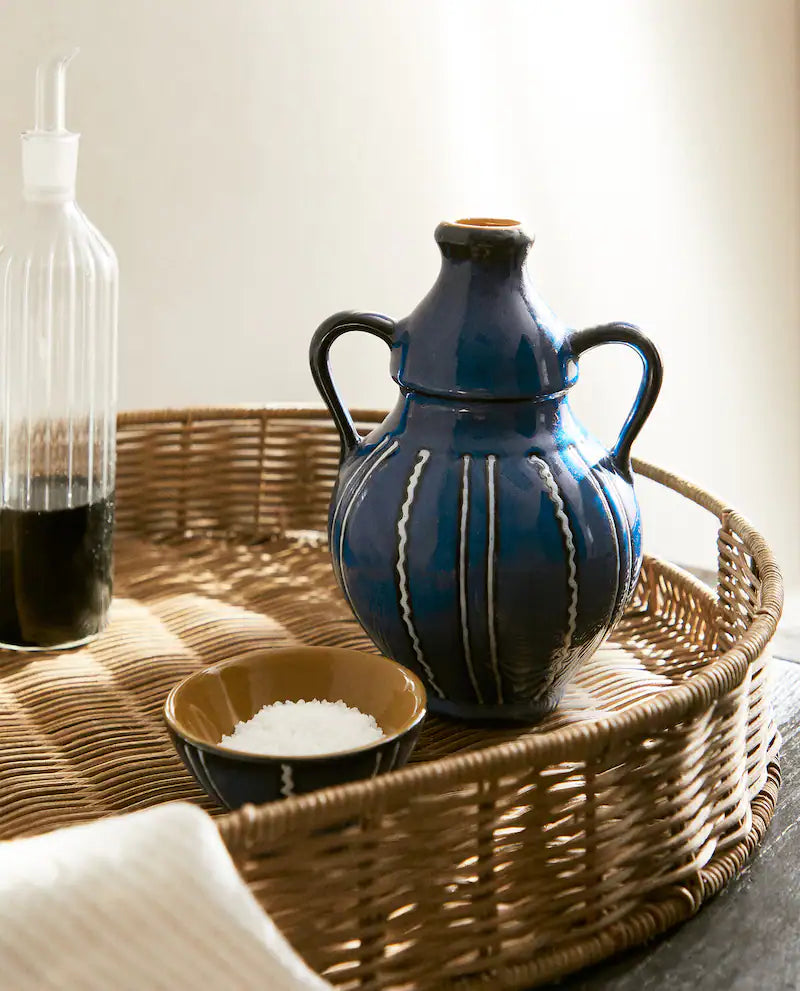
point(58, 398)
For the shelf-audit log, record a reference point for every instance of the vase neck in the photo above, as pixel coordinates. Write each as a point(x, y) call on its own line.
point(482, 332)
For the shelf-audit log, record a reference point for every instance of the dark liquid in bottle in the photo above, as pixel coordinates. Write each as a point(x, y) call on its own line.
point(55, 567)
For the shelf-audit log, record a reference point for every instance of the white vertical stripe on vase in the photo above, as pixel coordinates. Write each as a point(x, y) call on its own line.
point(491, 543)
point(626, 527)
point(364, 479)
point(354, 483)
point(554, 495)
point(619, 589)
point(463, 525)
point(402, 576)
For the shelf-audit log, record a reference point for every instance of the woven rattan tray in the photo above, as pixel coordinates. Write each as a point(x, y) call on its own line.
point(497, 859)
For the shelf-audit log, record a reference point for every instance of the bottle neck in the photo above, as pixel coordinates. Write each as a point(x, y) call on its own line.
point(49, 166)
point(38, 195)
point(39, 218)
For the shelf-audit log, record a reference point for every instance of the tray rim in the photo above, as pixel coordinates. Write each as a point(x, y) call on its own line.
point(580, 740)
point(656, 917)
point(251, 830)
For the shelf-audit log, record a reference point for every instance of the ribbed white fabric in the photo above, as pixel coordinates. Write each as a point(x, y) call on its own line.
point(150, 900)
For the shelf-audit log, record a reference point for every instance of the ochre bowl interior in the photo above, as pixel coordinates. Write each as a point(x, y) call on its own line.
point(208, 704)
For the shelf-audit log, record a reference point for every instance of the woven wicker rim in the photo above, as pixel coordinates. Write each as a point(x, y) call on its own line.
point(499, 868)
point(734, 621)
point(650, 921)
point(581, 740)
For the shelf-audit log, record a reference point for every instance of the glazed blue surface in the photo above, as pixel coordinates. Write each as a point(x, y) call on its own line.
point(233, 780)
point(481, 536)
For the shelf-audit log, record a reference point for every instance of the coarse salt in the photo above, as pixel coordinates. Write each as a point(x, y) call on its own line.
point(304, 729)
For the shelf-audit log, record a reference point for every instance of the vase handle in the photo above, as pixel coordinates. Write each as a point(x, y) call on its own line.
point(653, 373)
point(319, 358)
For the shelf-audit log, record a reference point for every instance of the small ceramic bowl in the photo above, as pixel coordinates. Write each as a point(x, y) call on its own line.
point(209, 703)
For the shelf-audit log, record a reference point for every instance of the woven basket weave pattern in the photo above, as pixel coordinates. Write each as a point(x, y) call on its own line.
point(504, 857)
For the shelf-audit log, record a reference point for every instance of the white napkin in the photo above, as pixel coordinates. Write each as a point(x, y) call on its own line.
point(150, 900)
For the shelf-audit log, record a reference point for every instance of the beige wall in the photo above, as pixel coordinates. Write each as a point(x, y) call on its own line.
point(259, 165)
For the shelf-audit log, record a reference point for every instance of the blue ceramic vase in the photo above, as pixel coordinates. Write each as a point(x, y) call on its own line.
point(480, 535)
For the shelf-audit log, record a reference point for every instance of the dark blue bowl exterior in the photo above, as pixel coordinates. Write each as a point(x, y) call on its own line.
point(233, 781)
point(487, 546)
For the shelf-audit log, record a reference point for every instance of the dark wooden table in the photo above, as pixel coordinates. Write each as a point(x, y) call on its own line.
point(748, 937)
